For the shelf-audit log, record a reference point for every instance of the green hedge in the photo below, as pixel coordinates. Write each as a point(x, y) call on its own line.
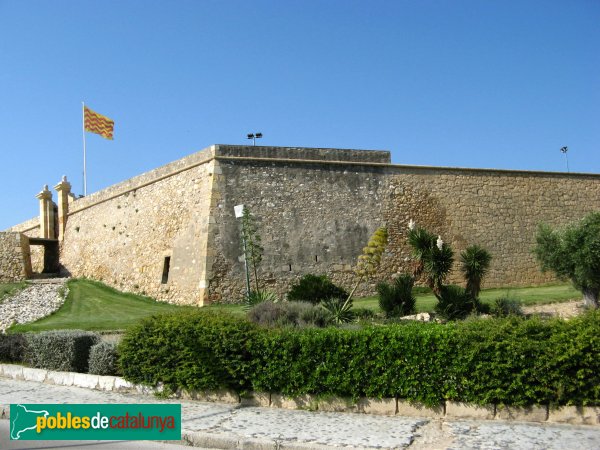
point(192, 350)
point(510, 361)
point(103, 359)
point(12, 348)
point(64, 350)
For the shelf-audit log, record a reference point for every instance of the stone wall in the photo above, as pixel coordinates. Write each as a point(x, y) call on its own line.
point(123, 235)
point(312, 217)
point(316, 217)
point(499, 210)
point(316, 209)
point(15, 263)
point(31, 228)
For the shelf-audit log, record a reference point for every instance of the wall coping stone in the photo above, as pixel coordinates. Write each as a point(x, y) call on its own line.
point(575, 415)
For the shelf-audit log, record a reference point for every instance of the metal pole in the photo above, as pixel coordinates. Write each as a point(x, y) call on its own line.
point(84, 168)
point(567, 158)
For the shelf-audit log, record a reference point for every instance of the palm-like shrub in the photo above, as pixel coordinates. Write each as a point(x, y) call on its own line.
point(474, 265)
point(397, 299)
point(421, 242)
point(454, 303)
point(438, 265)
point(433, 257)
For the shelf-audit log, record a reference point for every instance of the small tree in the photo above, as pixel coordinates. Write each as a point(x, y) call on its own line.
point(474, 264)
point(252, 250)
point(573, 253)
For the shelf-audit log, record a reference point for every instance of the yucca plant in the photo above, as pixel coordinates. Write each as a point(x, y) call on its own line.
point(474, 265)
point(421, 242)
point(433, 257)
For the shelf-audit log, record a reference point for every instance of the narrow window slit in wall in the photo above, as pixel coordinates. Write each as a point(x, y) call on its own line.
point(316, 258)
point(166, 267)
point(290, 266)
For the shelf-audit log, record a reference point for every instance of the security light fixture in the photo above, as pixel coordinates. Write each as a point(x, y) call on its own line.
point(564, 150)
point(254, 137)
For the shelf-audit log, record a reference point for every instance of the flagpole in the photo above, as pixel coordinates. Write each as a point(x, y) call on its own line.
point(83, 128)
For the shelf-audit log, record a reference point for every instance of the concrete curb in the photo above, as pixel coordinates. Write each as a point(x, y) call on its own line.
point(573, 415)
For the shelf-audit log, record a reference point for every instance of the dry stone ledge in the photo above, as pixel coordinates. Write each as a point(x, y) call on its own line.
point(36, 301)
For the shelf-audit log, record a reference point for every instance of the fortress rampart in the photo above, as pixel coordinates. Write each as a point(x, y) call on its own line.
point(171, 232)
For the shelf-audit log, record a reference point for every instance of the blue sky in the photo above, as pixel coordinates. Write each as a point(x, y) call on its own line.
point(494, 84)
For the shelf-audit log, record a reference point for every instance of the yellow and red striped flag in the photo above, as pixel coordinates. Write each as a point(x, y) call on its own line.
point(97, 123)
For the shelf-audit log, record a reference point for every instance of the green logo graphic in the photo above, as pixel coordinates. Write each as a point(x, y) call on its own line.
point(95, 422)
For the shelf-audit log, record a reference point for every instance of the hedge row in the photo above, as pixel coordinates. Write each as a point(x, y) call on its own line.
point(64, 350)
point(510, 361)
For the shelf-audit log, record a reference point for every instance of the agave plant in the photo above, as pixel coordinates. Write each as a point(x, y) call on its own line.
point(257, 297)
point(340, 310)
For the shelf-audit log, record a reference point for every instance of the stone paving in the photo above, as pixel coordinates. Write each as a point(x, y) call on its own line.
point(218, 425)
point(38, 300)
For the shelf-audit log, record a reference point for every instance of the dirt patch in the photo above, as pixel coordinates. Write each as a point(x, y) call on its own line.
point(564, 310)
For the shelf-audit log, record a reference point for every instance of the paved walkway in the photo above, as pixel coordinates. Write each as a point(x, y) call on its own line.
point(217, 425)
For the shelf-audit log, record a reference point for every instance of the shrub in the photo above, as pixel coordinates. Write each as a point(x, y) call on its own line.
point(12, 348)
point(454, 303)
point(295, 314)
point(397, 300)
point(314, 289)
point(103, 359)
point(193, 350)
point(513, 361)
point(65, 350)
point(573, 253)
point(505, 306)
point(363, 313)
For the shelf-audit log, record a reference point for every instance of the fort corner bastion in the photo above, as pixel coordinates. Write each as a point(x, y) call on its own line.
point(171, 233)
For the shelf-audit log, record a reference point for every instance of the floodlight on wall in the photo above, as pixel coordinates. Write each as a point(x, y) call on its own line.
point(564, 150)
point(254, 137)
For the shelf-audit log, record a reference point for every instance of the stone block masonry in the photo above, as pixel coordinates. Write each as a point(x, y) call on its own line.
point(171, 233)
point(15, 261)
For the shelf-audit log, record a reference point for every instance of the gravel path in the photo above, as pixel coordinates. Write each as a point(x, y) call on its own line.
point(38, 300)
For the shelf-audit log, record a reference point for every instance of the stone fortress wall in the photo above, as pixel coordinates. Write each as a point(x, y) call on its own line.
point(15, 261)
point(171, 233)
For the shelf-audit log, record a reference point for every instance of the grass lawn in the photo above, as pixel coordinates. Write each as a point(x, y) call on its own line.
point(94, 306)
point(7, 289)
point(537, 295)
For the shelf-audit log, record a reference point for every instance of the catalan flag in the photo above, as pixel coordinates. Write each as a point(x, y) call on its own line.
point(97, 123)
